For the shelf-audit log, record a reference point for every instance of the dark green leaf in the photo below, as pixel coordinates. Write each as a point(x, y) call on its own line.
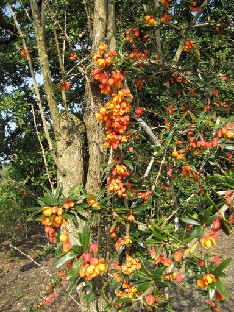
point(85, 237)
point(220, 287)
point(70, 255)
point(143, 286)
point(221, 266)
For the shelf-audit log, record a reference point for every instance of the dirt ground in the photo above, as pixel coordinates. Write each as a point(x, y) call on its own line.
point(24, 282)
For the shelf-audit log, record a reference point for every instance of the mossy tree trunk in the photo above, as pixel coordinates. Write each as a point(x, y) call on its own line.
point(70, 132)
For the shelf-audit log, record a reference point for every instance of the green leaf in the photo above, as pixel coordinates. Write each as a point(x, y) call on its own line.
point(221, 266)
point(193, 116)
point(197, 232)
point(73, 272)
point(70, 255)
point(58, 192)
point(129, 164)
point(141, 275)
point(77, 249)
point(72, 285)
point(151, 241)
point(109, 166)
point(123, 300)
point(143, 286)
point(220, 287)
point(190, 221)
point(85, 237)
point(158, 273)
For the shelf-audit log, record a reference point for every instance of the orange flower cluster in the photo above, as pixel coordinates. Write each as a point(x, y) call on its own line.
point(166, 18)
point(202, 144)
point(130, 265)
point(193, 7)
point(53, 215)
point(166, 3)
point(91, 266)
point(122, 241)
point(207, 242)
point(115, 181)
point(174, 276)
point(171, 109)
point(136, 54)
point(151, 299)
point(139, 83)
point(64, 85)
point(23, 53)
point(189, 44)
point(186, 171)
point(114, 114)
point(51, 234)
point(102, 58)
point(205, 281)
point(108, 82)
point(229, 198)
point(163, 260)
point(113, 232)
point(144, 195)
point(64, 238)
point(73, 57)
point(178, 155)
point(226, 132)
point(128, 291)
point(149, 20)
point(139, 111)
point(93, 203)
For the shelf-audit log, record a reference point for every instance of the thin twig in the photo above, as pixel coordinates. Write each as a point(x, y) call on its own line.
point(30, 258)
point(35, 86)
point(42, 150)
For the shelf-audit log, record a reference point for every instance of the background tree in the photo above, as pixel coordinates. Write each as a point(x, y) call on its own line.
point(173, 56)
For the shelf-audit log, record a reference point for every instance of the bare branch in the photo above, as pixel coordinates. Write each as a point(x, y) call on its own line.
point(42, 150)
point(149, 131)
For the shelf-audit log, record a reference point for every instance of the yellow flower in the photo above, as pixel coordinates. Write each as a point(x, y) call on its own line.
point(207, 242)
point(204, 281)
point(47, 211)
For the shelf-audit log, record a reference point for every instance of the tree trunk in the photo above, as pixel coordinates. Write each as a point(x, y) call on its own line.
point(69, 130)
point(94, 100)
point(70, 149)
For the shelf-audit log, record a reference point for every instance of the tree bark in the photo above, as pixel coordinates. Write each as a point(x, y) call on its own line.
point(69, 130)
point(70, 149)
point(94, 100)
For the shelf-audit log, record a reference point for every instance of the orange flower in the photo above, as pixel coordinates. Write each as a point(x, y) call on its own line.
point(47, 211)
point(204, 281)
point(166, 18)
point(149, 20)
point(73, 56)
point(207, 242)
point(69, 204)
point(178, 255)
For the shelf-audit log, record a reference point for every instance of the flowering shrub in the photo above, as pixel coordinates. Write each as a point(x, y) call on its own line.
point(167, 189)
point(149, 250)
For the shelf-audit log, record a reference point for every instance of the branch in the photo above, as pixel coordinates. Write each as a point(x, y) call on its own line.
point(149, 131)
point(199, 12)
point(158, 36)
point(61, 64)
point(192, 25)
point(30, 258)
point(111, 29)
point(42, 150)
point(36, 89)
